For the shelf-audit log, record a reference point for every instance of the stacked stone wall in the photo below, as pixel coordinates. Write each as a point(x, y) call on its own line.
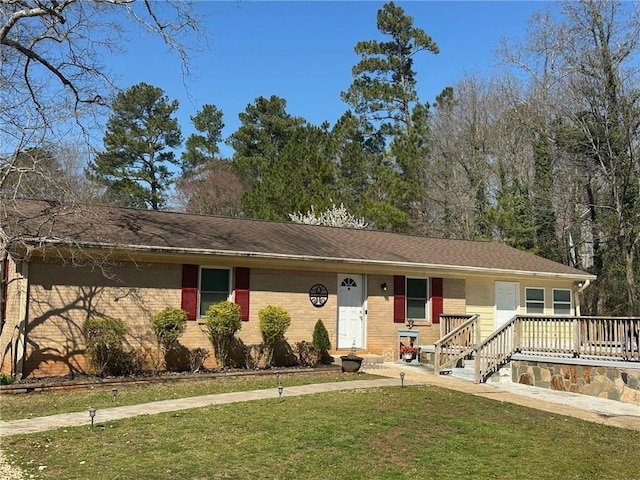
point(603, 381)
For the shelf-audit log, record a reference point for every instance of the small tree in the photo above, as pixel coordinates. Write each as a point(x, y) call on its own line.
point(104, 337)
point(168, 325)
point(321, 337)
point(332, 217)
point(222, 321)
point(274, 322)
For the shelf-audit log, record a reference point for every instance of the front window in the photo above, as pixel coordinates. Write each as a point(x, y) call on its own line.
point(534, 301)
point(214, 287)
point(417, 298)
point(561, 302)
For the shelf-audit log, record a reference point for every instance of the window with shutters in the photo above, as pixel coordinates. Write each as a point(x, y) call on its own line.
point(214, 287)
point(417, 293)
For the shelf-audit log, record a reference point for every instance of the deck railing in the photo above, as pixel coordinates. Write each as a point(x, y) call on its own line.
point(460, 342)
point(616, 338)
point(449, 322)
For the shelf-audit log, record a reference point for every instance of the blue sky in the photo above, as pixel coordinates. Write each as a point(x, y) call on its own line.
point(303, 51)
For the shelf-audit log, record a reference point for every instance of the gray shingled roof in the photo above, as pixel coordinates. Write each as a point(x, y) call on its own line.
point(171, 231)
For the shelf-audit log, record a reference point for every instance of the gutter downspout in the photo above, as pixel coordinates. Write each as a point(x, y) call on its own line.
point(581, 288)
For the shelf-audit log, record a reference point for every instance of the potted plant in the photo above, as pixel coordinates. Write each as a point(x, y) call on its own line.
point(351, 363)
point(408, 352)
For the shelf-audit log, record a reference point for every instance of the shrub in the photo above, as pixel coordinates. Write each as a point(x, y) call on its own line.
point(6, 379)
point(130, 362)
point(222, 321)
point(197, 356)
point(168, 325)
point(321, 337)
point(274, 322)
point(308, 354)
point(104, 337)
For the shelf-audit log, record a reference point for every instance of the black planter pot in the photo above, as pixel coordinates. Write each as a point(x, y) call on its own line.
point(351, 363)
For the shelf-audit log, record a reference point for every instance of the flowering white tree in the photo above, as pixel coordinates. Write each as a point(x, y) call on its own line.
point(332, 217)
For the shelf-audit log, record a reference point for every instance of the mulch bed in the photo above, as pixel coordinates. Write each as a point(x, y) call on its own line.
point(77, 381)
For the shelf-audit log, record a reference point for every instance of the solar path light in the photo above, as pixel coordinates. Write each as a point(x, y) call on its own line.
point(92, 414)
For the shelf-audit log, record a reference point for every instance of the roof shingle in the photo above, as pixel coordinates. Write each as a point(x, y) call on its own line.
point(131, 229)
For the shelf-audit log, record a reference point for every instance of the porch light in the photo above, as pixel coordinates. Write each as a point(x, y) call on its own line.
point(383, 286)
point(92, 414)
point(114, 393)
point(402, 379)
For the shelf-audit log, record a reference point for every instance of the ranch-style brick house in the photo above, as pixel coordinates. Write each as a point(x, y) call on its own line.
point(373, 290)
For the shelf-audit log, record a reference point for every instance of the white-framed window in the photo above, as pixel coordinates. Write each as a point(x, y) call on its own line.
point(215, 287)
point(534, 300)
point(561, 301)
point(417, 293)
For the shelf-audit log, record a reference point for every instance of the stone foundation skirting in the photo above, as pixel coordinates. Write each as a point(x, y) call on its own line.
point(604, 379)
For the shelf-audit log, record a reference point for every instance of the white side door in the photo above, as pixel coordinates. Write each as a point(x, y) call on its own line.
point(507, 302)
point(350, 311)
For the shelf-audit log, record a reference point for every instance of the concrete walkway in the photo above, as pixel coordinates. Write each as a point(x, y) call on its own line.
point(607, 412)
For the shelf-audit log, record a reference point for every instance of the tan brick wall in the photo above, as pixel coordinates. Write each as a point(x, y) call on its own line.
point(63, 296)
point(290, 290)
point(382, 332)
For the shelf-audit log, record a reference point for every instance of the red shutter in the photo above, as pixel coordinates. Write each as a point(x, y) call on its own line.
point(436, 299)
point(399, 306)
point(190, 290)
point(242, 291)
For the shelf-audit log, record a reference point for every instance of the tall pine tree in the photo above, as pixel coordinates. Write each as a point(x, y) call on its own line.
point(384, 85)
point(134, 166)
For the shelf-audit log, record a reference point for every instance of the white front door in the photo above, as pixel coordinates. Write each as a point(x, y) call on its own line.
point(507, 302)
point(350, 311)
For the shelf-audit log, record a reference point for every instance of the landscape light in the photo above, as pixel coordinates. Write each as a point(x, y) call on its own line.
point(402, 379)
point(92, 414)
point(114, 392)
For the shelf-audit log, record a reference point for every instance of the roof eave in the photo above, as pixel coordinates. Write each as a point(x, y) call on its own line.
point(455, 269)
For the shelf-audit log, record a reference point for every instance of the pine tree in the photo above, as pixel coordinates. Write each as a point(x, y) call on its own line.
point(134, 166)
point(384, 86)
point(201, 148)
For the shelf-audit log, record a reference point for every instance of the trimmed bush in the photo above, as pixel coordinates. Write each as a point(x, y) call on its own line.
point(274, 322)
point(104, 337)
point(222, 321)
point(168, 325)
point(321, 337)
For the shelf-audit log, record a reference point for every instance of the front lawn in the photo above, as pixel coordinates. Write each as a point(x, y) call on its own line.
point(382, 433)
point(39, 404)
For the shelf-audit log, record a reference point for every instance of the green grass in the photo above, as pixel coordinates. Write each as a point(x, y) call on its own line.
point(39, 404)
point(382, 433)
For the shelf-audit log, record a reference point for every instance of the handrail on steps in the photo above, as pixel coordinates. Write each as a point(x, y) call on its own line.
point(616, 338)
point(496, 350)
point(458, 343)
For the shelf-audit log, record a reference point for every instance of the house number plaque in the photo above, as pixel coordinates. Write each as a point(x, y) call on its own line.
point(318, 295)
